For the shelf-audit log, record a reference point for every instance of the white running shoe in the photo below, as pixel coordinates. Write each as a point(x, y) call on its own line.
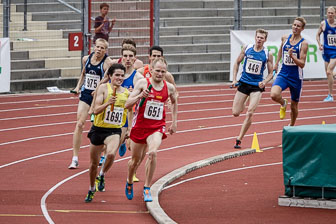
point(73, 165)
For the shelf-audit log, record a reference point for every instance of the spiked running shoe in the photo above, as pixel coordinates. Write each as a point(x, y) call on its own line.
point(135, 179)
point(129, 191)
point(74, 164)
point(329, 98)
point(147, 195)
point(89, 196)
point(283, 110)
point(100, 183)
point(102, 159)
point(237, 145)
point(122, 149)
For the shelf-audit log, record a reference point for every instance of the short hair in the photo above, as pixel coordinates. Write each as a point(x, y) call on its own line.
point(302, 20)
point(114, 67)
point(102, 5)
point(128, 47)
point(332, 7)
point(262, 31)
point(155, 48)
point(161, 59)
point(128, 41)
point(103, 41)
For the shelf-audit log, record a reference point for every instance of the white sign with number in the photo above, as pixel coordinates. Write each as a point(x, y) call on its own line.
point(91, 81)
point(115, 116)
point(154, 110)
point(5, 68)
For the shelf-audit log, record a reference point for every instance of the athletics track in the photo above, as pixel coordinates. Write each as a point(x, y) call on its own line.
point(35, 151)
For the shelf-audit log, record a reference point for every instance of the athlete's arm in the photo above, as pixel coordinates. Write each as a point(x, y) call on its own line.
point(82, 76)
point(303, 54)
point(170, 78)
point(99, 106)
point(283, 39)
point(140, 91)
point(138, 64)
point(137, 77)
point(236, 66)
point(318, 34)
point(141, 70)
point(269, 70)
point(173, 99)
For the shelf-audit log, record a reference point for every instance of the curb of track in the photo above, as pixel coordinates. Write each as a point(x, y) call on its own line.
point(154, 207)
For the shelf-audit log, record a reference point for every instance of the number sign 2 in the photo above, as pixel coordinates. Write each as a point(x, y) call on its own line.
point(75, 41)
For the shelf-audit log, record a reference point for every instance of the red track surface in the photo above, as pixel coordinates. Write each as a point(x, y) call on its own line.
point(36, 143)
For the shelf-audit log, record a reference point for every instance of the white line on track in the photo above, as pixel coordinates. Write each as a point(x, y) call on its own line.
point(221, 172)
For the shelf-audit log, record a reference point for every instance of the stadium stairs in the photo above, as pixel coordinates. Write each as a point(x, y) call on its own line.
point(195, 35)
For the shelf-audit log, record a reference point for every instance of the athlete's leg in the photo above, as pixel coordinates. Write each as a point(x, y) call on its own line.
point(330, 74)
point(254, 102)
point(294, 112)
point(153, 142)
point(95, 151)
point(276, 95)
point(136, 149)
point(111, 143)
point(238, 103)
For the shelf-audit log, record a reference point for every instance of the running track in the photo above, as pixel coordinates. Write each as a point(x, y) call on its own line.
point(35, 151)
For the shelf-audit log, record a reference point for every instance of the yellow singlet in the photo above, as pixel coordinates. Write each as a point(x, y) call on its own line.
point(117, 117)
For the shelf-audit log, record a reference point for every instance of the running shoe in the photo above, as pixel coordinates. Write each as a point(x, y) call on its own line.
point(237, 145)
point(74, 164)
point(147, 195)
point(122, 149)
point(92, 118)
point(102, 158)
point(283, 110)
point(89, 196)
point(100, 183)
point(329, 98)
point(129, 191)
point(135, 179)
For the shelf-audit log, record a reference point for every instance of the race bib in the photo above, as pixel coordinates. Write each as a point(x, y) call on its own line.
point(287, 60)
point(331, 39)
point(253, 66)
point(91, 81)
point(154, 110)
point(113, 117)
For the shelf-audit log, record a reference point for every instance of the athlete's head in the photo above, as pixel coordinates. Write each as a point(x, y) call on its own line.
point(128, 41)
point(155, 52)
point(158, 69)
point(331, 12)
point(128, 53)
point(116, 74)
point(261, 36)
point(298, 25)
point(101, 46)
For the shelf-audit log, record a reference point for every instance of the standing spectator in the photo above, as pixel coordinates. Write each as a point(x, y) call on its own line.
point(102, 25)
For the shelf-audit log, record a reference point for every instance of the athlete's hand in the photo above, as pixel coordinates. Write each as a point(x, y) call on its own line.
point(93, 93)
point(320, 47)
point(112, 100)
point(290, 52)
point(172, 128)
point(130, 89)
point(275, 68)
point(234, 84)
point(261, 84)
point(144, 93)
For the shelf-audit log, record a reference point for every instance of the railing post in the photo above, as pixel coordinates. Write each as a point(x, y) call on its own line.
point(6, 13)
point(25, 15)
point(156, 22)
point(237, 14)
point(322, 10)
point(299, 8)
point(85, 27)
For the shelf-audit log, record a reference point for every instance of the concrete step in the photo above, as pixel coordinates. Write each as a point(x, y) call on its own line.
point(39, 44)
point(41, 84)
point(19, 55)
point(194, 30)
point(68, 62)
point(196, 12)
point(31, 1)
point(168, 4)
point(52, 53)
point(125, 14)
point(196, 48)
point(36, 34)
point(272, 3)
point(17, 17)
point(198, 66)
point(48, 7)
point(64, 24)
point(123, 5)
point(27, 64)
point(283, 11)
point(31, 25)
point(192, 57)
point(12, 8)
point(201, 77)
point(70, 72)
point(55, 15)
point(40, 73)
point(188, 39)
point(278, 26)
point(250, 20)
point(192, 21)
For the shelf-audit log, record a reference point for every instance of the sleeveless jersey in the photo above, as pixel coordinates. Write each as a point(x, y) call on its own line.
point(146, 72)
point(289, 69)
point(115, 118)
point(93, 75)
point(254, 65)
point(152, 113)
point(129, 81)
point(329, 38)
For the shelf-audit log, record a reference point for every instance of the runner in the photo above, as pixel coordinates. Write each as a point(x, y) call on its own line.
point(149, 123)
point(94, 66)
point(106, 130)
point(328, 28)
point(251, 84)
point(293, 50)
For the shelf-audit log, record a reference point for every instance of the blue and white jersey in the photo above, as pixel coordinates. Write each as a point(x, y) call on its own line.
point(289, 69)
point(254, 65)
point(93, 75)
point(329, 38)
point(129, 82)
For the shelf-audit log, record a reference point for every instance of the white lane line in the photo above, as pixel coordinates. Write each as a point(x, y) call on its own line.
point(221, 172)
